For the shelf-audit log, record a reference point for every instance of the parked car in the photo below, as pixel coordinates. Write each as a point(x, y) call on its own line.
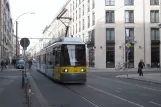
point(20, 64)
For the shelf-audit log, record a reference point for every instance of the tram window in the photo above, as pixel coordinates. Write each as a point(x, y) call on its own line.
point(57, 58)
point(53, 52)
point(73, 55)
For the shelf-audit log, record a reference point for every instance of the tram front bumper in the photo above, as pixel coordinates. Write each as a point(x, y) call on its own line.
point(73, 78)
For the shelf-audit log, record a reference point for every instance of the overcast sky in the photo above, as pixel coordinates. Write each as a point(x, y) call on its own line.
point(32, 25)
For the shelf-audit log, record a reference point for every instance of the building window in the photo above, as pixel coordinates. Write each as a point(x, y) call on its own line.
point(73, 29)
point(73, 17)
point(154, 16)
point(73, 4)
point(129, 34)
point(88, 21)
point(79, 12)
point(83, 24)
point(93, 4)
point(79, 26)
point(155, 35)
point(83, 9)
point(79, 1)
point(76, 27)
point(110, 34)
point(90, 45)
point(110, 17)
point(93, 17)
point(76, 3)
point(129, 2)
point(76, 15)
point(129, 16)
point(70, 7)
point(154, 2)
point(88, 5)
point(83, 37)
point(109, 2)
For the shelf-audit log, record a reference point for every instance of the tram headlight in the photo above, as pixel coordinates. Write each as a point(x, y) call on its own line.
point(82, 70)
point(65, 70)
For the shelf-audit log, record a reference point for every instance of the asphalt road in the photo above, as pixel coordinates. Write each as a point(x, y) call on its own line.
point(101, 90)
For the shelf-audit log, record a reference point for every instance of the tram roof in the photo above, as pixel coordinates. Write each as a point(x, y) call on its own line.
point(67, 40)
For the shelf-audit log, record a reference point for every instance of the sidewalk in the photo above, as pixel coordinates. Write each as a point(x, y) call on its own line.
point(151, 77)
point(11, 93)
point(90, 69)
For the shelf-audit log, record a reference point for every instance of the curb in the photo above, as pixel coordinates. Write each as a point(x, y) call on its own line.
point(42, 101)
point(151, 81)
point(113, 70)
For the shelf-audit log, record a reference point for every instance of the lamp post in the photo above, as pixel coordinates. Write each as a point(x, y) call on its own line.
point(17, 27)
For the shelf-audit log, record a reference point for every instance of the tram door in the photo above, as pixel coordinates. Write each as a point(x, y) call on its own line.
point(57, 64)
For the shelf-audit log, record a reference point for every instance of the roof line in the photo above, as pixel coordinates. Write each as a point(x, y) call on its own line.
point(45, 29)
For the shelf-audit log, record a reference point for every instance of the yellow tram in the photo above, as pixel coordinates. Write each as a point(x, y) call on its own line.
point(64, 60)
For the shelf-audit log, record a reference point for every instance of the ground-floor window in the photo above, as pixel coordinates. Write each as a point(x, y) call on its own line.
point(155, 56)
point(110, 56)
point(130, 56)
point(91, 56)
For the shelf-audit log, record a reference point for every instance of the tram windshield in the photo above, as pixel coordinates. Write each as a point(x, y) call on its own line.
point(73, 55)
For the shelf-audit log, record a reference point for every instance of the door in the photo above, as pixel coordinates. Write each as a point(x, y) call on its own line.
point(57, 65)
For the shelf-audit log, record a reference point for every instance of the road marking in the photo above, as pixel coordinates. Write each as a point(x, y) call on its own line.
point(115, 96)
point(118, 91)
point(129, 84)
point(155, 103)
point(86, 99)
point(89, 101)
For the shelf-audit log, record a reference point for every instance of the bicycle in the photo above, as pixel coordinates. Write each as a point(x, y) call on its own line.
point(120, 66)
point(123, 66)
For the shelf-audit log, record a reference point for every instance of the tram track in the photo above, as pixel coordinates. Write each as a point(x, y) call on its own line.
point(83, 97)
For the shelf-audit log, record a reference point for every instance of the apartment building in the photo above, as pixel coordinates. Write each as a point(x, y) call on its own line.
point(107, 26)
point(6, 29)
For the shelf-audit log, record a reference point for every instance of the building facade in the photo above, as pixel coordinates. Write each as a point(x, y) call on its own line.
point(116, 31)
point(6, 28)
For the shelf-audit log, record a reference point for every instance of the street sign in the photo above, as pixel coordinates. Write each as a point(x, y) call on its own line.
point(24, 42)
point(128, 45)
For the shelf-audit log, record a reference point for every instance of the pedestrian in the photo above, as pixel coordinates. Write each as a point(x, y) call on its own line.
point(14, 63)
point(2, 65)
point(30, 63)
point(140, 67)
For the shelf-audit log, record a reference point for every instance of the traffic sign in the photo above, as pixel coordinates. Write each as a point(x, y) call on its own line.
point(128, 45)
point(24, 42)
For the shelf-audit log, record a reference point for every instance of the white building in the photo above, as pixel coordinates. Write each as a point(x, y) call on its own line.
point(14, 45)
point(107, 25)
point(6, 29)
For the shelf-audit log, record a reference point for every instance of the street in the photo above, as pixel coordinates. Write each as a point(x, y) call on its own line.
point(101, 90)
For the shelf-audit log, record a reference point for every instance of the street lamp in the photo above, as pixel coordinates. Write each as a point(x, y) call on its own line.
point(17, 27)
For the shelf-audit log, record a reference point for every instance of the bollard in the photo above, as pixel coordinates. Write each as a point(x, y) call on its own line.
point(23, 79)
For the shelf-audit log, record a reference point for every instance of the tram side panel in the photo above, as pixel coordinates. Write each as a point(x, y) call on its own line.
point(49, 62)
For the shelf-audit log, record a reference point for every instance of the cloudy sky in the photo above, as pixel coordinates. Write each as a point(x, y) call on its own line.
point(32, 25)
